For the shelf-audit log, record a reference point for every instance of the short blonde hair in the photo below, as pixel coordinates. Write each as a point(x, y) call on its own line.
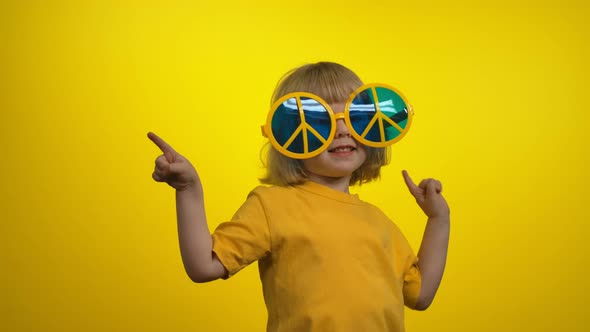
point(333, 83)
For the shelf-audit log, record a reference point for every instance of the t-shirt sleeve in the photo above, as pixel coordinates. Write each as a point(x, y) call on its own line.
point(412, 283)
point(245, 238)
point(412, 279)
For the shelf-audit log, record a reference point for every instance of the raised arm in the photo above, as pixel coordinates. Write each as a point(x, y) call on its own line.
point(432, 255)
point(200, 263)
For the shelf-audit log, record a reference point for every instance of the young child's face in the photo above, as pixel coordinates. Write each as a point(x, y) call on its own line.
point(342, 157)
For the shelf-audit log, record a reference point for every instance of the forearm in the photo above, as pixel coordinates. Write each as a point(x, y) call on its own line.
point(193, 235)
point(432, 258)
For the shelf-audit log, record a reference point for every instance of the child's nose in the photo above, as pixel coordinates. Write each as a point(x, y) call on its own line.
point(341, 128)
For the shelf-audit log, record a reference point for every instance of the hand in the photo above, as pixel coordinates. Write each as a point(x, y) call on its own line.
point(428, 196)
point(173, 168)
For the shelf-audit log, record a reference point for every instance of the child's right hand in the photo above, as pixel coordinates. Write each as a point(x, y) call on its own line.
point(173, 168)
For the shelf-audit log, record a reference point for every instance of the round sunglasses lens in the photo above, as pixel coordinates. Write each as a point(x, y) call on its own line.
point(375, 108)
point(294, 130)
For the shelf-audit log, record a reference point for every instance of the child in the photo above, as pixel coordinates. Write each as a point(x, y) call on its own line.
point(328, 261)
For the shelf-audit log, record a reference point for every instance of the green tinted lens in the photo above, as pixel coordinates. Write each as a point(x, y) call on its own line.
point(378, 114)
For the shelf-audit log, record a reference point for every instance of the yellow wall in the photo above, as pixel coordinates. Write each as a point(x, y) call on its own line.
point(88, 240)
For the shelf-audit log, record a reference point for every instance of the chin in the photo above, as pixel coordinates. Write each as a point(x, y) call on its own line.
point(335, 173)
point(328, 166)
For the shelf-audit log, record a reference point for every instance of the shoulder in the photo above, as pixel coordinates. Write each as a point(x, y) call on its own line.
point(270, 191)
point(276, 202)
point(272, 194)
point(374, 209)
point(380, 216)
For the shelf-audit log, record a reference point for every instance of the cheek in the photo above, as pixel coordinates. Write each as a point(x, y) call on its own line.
point(308, 163)
point(362, 152)
point(315, 164)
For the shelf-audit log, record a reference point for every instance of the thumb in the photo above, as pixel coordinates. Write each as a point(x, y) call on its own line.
point(178, 168)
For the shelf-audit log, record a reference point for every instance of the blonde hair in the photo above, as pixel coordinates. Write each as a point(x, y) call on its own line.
point(333, 83)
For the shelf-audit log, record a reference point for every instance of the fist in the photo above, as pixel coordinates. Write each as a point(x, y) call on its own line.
point(428, 196)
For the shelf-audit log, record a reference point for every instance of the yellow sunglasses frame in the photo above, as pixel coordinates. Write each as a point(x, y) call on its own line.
point(267, 129)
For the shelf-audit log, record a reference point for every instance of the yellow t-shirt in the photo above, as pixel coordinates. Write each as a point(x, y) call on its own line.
point(328, 261)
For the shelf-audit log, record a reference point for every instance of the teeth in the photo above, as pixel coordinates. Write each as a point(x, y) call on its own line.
point(343, 149)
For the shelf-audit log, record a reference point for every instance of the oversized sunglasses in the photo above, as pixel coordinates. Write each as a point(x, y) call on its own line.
point(302, 125)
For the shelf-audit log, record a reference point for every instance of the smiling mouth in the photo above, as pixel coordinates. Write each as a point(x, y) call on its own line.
point(346, 148)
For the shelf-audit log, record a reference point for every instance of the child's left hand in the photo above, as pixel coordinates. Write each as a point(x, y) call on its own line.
point(428, 196)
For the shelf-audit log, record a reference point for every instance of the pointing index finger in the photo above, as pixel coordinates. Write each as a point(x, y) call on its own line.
point(164, 147)
point(411, 185)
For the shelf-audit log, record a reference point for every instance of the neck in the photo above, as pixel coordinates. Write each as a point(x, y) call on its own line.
point(339, 183)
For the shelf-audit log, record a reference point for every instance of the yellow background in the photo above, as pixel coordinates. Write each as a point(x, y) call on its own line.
point(88, 241)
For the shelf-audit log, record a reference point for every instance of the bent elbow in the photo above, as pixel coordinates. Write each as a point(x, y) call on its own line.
point(197, 279)
point(201, 273)
point(423, 304)
point(198, 276)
